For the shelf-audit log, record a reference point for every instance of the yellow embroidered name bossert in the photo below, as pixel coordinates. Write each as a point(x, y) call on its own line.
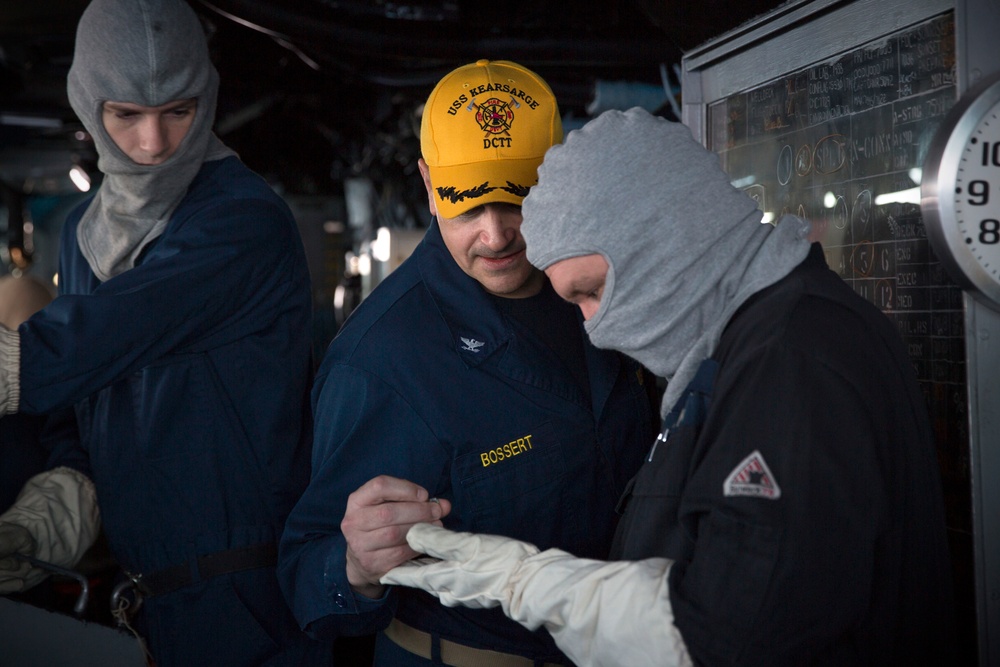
point(510, 450)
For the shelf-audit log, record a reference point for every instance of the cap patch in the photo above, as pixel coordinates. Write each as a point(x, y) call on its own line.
point(495, 117)
point(752, 477)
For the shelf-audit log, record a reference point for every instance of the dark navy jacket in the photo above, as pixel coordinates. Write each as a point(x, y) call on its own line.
point(798, 491)
point(190, 375)
point(429, 382)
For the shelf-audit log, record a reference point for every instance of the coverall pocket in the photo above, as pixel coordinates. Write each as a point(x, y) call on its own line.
point(664, 471)
point(507, 485)
point(718, 595)
point(187, 385)
point(649, 524)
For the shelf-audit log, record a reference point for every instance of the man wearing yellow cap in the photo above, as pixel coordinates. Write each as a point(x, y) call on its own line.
point(462, 392)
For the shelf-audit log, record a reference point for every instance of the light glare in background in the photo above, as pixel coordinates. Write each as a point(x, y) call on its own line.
point(80, 178)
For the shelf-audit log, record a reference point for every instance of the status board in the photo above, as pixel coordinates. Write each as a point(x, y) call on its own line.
point(840, 143)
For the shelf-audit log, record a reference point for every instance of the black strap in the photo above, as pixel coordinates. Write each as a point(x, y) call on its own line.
point(205, 567)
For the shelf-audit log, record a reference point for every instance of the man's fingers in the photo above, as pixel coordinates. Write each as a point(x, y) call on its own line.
point(376, 545)
point(444, 504)
point(387, 523)
point(375, 523)
point(372, 564)
point(384, 489)
point(385, 502)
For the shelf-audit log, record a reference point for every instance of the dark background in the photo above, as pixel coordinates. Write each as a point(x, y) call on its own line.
point(316, 90)
point(323, 99)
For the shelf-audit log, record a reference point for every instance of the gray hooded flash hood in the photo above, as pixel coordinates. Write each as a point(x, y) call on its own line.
point(684, 247)
point(146, 52)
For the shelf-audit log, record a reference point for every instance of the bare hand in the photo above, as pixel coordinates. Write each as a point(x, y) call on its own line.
point(375, 524)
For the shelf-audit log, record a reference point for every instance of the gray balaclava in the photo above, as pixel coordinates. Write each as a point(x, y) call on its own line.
point(684, 247)
point(146, 52)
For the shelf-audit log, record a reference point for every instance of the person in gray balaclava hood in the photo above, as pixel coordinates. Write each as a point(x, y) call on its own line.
point(790, 512)
point(181, 337)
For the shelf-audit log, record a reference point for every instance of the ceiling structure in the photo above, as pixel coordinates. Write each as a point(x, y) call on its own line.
point(314, 91)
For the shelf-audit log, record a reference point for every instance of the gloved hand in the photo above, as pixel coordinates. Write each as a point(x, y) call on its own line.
point(14, 572)
point(599, 613)
point(475, 572)
point(54, 519)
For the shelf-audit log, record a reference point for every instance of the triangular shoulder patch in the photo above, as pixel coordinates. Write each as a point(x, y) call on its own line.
point(752, 477)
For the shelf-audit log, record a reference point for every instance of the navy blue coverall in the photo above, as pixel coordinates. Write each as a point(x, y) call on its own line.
point(428, 381)
point(190, 376)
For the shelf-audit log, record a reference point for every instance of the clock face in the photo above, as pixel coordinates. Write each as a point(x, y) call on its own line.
point(960, 190)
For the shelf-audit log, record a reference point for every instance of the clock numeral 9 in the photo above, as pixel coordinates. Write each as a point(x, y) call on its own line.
point(989, 231)
point(979, 192)
point(991, 154)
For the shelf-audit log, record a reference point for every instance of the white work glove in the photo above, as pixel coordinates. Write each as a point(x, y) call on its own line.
point(54, 519)
point(10, 371)
point(476, 572)
point(14, 572)
point(598, 613)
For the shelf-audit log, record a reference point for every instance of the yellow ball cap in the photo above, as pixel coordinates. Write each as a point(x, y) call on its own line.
point(485, 129)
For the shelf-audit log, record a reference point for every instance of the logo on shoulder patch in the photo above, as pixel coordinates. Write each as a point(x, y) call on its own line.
point(753, 478)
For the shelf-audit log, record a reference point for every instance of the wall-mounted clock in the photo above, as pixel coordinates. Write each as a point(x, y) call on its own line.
point(960, 190)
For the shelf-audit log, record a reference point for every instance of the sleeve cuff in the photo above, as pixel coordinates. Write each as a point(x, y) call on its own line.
point(10, 372)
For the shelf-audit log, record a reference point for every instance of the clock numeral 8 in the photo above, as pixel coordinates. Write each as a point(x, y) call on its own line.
point(989, 231)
